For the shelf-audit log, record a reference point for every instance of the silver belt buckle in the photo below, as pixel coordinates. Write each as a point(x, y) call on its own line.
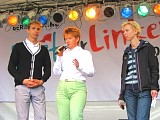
point(66, 80)
point(69, 80)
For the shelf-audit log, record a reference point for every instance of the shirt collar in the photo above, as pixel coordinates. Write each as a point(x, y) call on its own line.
point(74, 49)
point(30, 43)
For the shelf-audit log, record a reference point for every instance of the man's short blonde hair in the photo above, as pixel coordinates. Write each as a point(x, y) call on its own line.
point(34, 22)
point(134, 25)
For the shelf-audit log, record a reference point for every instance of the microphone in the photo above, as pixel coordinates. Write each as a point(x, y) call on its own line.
point(60, 49)
point(122, 103)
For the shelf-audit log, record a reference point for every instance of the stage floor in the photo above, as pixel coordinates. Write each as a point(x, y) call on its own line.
point(93, 111)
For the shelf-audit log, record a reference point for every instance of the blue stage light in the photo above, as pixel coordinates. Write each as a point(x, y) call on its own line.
point(43, 19)
point(126, 12)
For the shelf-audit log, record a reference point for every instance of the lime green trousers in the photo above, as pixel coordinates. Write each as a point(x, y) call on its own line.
point(71, 100)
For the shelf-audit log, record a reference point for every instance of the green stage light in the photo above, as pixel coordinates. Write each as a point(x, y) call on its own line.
point(25, 21)
point(143, 9)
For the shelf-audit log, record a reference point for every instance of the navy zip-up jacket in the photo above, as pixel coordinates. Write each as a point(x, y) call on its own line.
point(147, 68)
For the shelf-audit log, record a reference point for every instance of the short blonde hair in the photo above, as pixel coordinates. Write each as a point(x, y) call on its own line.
point(134, 25)
point(73, 31)
point(34, 22)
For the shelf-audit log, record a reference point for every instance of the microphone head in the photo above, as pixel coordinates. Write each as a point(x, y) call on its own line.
point(65, 46)
point(122, 103)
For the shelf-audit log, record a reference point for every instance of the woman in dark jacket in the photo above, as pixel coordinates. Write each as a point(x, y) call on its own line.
point(139, 75)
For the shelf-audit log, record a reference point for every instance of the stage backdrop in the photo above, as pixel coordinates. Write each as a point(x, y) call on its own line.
point(102, 37)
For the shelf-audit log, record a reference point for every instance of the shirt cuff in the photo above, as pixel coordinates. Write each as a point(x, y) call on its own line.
point(79, 68)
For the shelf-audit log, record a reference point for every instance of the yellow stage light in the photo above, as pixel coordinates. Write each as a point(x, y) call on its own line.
point(73, 15)
point(91, 13)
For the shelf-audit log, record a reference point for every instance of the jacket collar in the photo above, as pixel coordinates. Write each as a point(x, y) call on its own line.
point(142, 44)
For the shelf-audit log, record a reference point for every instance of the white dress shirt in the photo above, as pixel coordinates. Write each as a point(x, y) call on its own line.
point(64, 65)
point(32, 47)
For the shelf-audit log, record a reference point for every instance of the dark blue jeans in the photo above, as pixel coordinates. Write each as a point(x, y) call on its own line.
point(138, 104)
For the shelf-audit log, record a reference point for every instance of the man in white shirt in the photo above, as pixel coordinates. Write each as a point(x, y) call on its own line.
point(30, 65)
point(73, 65)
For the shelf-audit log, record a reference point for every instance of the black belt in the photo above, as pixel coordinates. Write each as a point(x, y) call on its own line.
point(132, 86)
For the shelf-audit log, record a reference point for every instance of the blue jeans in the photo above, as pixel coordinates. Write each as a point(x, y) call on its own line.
point(138, 104)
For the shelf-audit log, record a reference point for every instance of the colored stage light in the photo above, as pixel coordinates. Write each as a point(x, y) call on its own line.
point(156, 9)
point(12, 20)
point(58, 17)
point(126, 12)
point(73, 15)
point(25, 20)
point(143, 9)
point(108, 12)
point(43, 19)
point(91, 13)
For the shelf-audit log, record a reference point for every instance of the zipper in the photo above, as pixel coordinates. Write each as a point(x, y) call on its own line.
point(125, 68)
point(138, 73)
